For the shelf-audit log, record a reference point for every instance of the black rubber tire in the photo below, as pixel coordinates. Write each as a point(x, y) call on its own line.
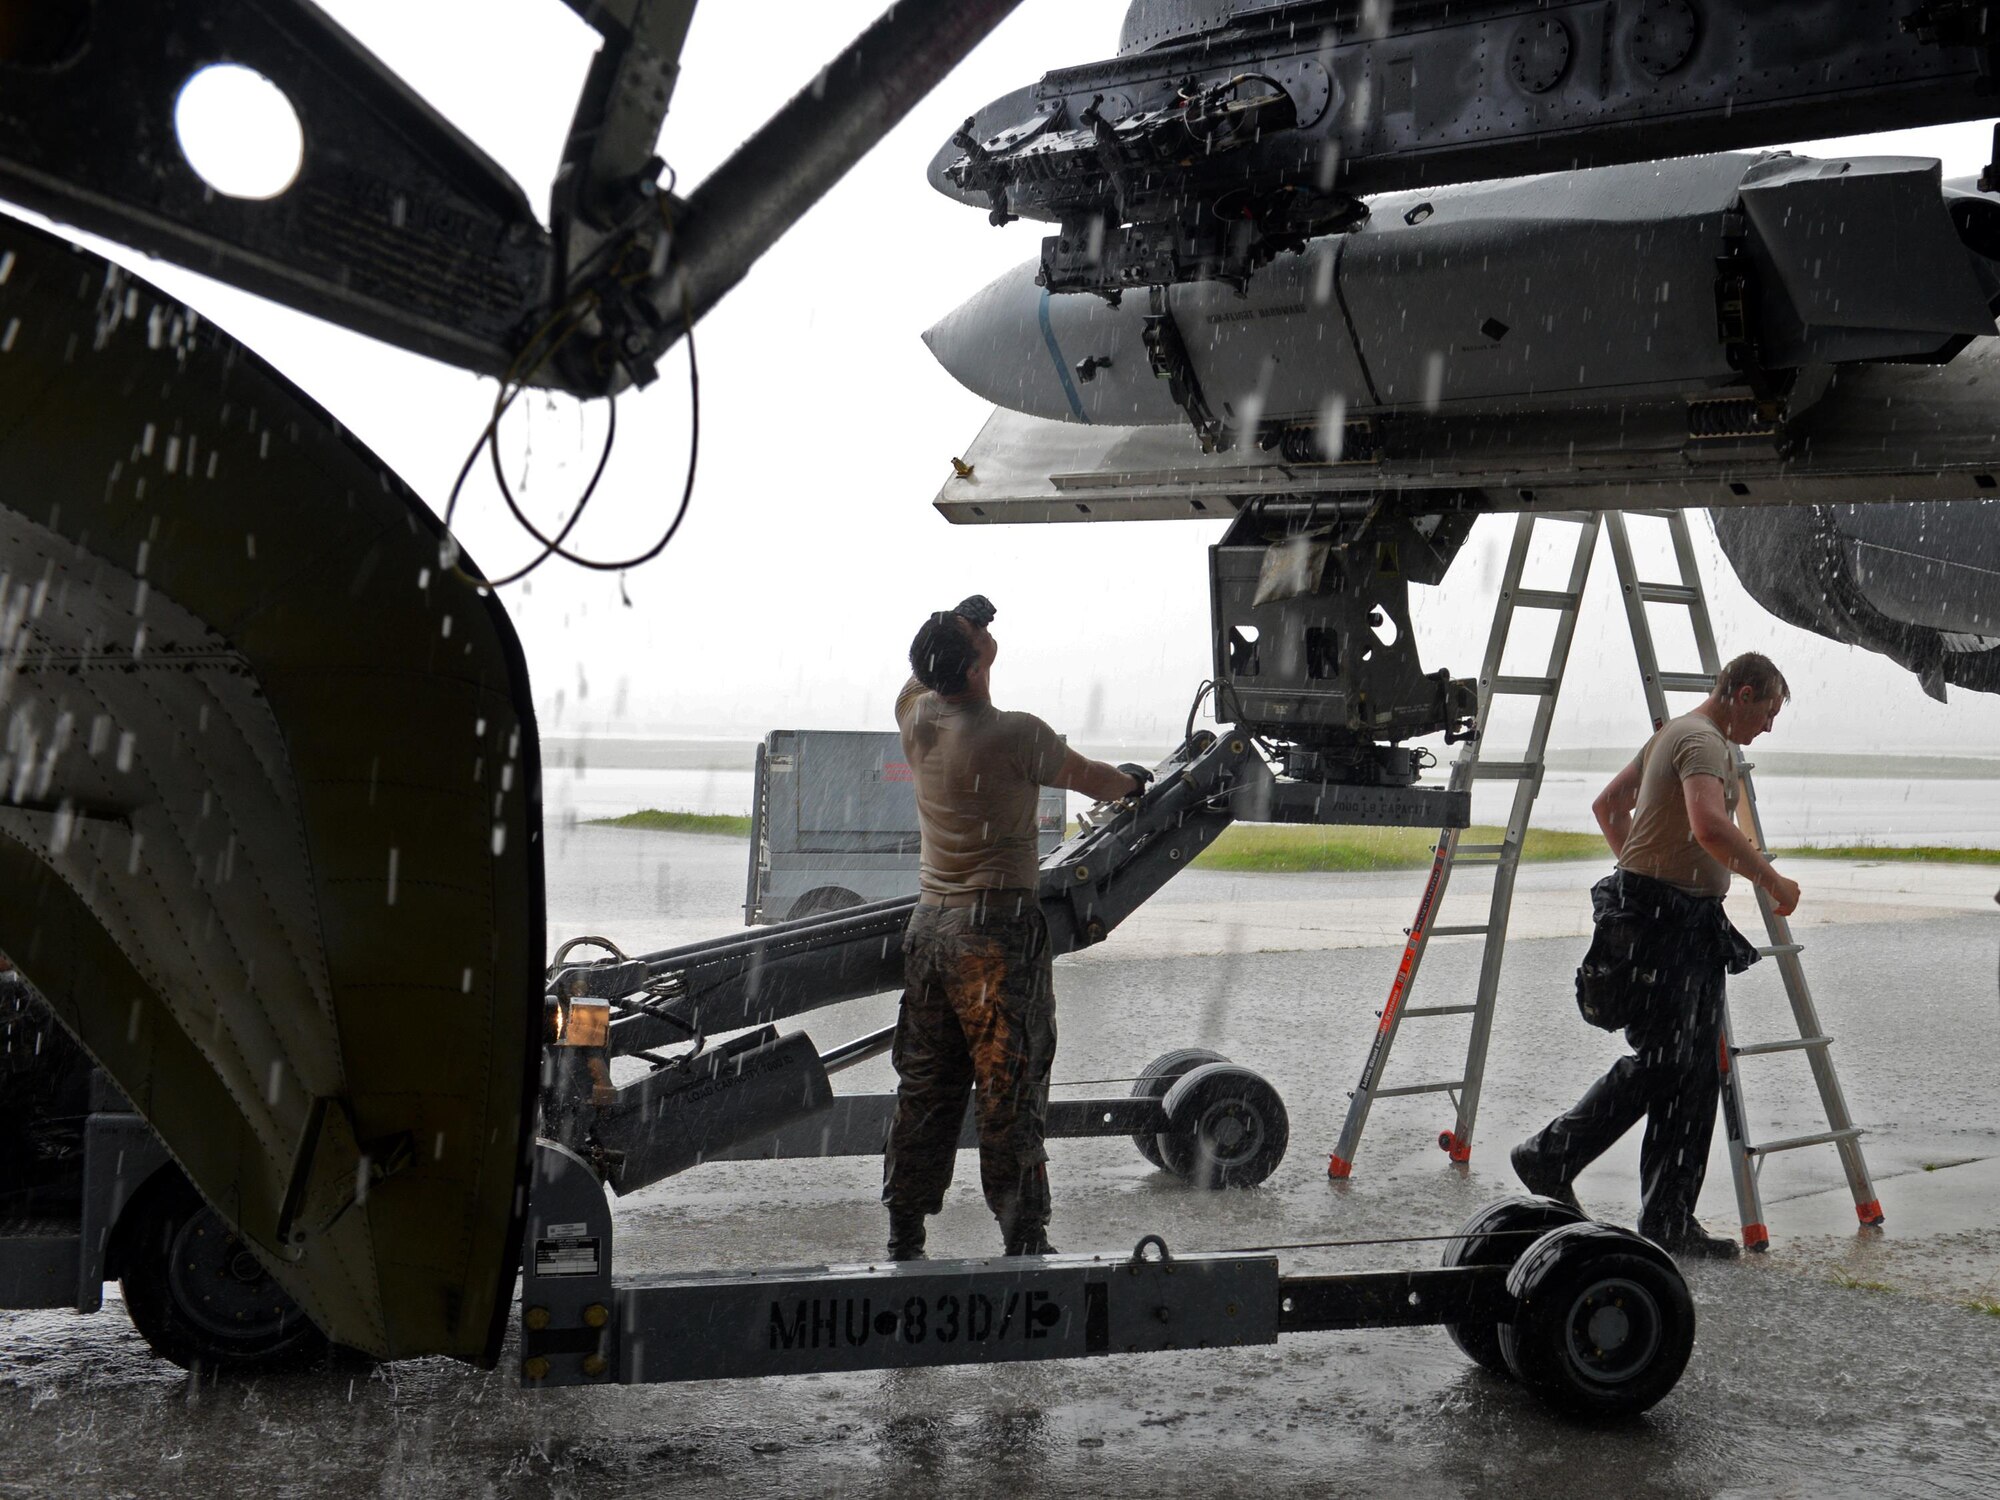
point(1499, 1235)
point(195, 1291)
point(1604, 1323)
point(820, 901)
point(1156, 1078)
point(1226, 1127)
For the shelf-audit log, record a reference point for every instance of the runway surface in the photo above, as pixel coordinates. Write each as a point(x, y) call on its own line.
point(1841, 1363)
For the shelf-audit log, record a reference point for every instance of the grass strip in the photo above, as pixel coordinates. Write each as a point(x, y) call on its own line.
point(1927, 854)
point(1281, 849)
point(721, 825)
point(1278, 849)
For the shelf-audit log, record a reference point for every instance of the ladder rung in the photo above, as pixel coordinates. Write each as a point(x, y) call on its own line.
point(1475, 931)
point(1420, 1088)
point(1825, 1137)
point(1504, 770)
point(1479, 849)
point(1439, 1010)
point(1669, 593)
point(1773, 950)
point(1795, 1044)
point(1543, 599)
point(1686, 682)
point(1534, 687)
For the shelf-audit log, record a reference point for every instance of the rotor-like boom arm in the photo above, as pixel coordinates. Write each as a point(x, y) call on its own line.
point(741, 209)
point(400, 228)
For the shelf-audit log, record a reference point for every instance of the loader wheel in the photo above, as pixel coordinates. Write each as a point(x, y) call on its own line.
point(1498, 1235)
point(197, 1293)
point(1156, 1078)
point(1226, 1127)
point(1604, 1324)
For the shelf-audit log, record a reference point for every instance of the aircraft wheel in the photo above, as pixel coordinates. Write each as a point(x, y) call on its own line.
point(1604, 1324)
point(1226, 1127)
point(197, 1293)
point(1156, 1078)
point(1498, 1235)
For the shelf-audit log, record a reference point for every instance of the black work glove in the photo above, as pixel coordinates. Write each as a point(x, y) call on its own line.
point(1139, 774)
point(976, 609)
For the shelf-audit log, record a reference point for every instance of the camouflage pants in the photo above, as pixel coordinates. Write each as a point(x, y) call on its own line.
point(978, 1010)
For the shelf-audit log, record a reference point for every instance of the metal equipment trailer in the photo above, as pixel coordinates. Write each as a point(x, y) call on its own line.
point(833, 823)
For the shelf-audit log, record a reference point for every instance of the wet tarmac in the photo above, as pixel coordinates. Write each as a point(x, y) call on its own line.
point(1841, 1363)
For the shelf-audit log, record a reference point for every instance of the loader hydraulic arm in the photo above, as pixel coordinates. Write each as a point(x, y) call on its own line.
point(1088, 886)
point(1126, 852)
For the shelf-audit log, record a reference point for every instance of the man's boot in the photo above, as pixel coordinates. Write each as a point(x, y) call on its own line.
point(1542, 1179)
point(906, 1235)
point(1029, 1239)
point(1692, 1242)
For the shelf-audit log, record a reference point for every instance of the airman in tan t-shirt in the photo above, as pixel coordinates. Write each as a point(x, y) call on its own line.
point(979, 771)
point(1662, 842)
point(978, 993)
point(1670, 819)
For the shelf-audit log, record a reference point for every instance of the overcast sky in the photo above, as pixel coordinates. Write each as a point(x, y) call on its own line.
point(812, 550)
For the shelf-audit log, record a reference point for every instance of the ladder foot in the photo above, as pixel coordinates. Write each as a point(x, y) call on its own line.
point(1452, 1146)
point(1870, 1212)
point(1338, 1168)
point(1756, 1237)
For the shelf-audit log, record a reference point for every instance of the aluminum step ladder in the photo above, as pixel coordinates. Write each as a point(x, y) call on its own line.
point(1746, 1157)
point(1504, 857)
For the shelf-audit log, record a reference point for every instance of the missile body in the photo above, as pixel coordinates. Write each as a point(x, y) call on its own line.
point(1712, 278)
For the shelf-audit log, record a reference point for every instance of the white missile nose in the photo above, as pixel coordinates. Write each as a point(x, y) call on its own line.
point(1069, 358)
point(992, 344)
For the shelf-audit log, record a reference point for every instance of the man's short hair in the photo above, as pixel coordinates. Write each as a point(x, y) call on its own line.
point(1755, 671)
point(942, 655)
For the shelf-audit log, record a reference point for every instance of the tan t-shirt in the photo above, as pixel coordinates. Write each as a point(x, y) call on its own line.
point(979, 773)
point(1662, 843)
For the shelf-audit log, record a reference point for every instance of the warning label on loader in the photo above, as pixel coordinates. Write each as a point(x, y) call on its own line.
point(570, 1255)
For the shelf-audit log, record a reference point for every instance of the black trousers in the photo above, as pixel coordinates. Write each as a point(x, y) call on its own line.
point(1672, 1077)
